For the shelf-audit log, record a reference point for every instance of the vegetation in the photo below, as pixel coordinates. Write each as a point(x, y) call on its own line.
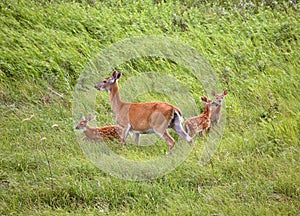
point(252, 46)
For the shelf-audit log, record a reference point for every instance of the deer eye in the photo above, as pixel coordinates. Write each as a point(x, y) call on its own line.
point(104, 81)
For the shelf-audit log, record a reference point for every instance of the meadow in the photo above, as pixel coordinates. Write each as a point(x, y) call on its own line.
point(252, 47)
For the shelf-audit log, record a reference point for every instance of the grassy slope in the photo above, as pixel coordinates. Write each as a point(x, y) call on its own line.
point(256, 55)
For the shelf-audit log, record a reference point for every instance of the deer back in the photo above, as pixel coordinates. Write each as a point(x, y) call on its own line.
point(144, 116)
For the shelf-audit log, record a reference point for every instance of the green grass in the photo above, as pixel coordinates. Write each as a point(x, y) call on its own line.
point(254, 50)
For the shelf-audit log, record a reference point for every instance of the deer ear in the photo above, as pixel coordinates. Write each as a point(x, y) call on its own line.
point(204, 99)
point(118, 75)
point(113, 75)
point(83, 118)
point(213, 93)
point(225, 92)
point(89, 117)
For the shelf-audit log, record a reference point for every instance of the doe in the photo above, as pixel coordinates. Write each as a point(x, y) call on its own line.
point(143, 118)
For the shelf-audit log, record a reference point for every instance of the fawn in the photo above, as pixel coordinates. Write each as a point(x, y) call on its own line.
point(105, 133)
point(143, 118)
point(216, 111)
point(202, 122)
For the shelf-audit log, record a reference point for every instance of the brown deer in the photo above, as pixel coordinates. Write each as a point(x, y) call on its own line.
point(143, 118)
point(216, 111)
point(106, 133)
point(200, 123)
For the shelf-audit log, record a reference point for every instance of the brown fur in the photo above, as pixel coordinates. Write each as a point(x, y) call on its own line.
point(106, 133)
point(143, 118)
point(216, 111)
point(200, 123)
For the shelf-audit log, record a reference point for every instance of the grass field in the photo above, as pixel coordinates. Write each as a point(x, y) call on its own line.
point(252, 47)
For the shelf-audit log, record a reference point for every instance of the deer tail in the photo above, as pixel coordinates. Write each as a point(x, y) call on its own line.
point(178, 113)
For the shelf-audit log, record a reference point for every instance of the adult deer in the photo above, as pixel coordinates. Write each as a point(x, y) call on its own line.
point(201, 123)
point(216, 111)
point(143, 118)
point(105, 133)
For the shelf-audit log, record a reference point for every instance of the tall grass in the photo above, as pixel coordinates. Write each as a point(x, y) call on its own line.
point(254, 49)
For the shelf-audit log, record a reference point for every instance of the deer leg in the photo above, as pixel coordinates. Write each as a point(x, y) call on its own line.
point(203, 132)
point(177, 127)
point(166, 136)
point(125, 134)
point(160, 125)
point(169, 140)
point(137, 139)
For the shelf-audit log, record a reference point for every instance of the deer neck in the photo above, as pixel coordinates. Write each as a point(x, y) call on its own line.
point(89, 132)
point(217, 109)
point(115, 98)
point(207, 110)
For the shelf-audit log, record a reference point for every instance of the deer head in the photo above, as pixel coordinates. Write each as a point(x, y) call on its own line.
point(107, 83)
point(209, 104)
point(83, 122)
point(219, 97)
